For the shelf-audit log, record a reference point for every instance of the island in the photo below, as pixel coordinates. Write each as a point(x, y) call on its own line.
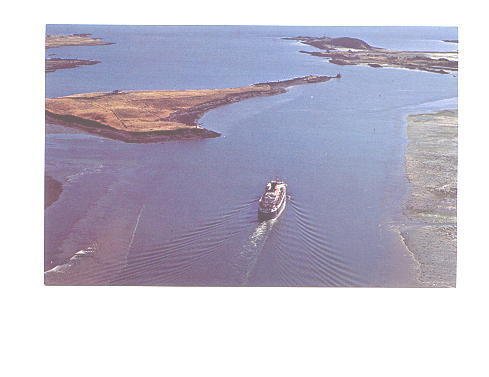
point(62, 40)
point(354, 51)
point(53, 64)
point(430, 234)
point(155, 115)
point(54, 41)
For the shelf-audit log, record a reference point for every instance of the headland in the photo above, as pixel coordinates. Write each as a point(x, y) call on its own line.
point(155, 115)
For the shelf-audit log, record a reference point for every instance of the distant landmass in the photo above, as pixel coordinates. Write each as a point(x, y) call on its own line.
point(325, 43)
point(62, 40)
point(55, 41)
point(354, 51)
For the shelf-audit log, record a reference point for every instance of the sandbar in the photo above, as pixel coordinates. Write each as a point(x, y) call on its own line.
point(431, 167)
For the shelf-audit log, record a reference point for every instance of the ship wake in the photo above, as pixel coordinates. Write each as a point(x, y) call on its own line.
point(252, 248)
point(180, 260)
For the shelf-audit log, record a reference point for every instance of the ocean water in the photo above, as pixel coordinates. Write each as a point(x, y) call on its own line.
point(185, 212)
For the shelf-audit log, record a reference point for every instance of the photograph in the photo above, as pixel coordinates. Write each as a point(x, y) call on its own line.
point(250, 155)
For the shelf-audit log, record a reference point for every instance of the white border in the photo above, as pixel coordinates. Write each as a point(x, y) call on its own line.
point(115, 331)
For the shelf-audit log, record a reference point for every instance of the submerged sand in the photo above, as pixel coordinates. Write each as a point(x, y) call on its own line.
point(52, 190)
point(431, 168)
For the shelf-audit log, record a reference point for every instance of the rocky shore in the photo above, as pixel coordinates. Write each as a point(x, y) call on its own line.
point(353, 51)
point(160, 115)
point(431, 167)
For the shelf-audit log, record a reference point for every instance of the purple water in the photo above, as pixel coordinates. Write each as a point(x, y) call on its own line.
point(185, 213)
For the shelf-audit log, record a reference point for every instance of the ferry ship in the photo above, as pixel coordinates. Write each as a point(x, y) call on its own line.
point(273, 200)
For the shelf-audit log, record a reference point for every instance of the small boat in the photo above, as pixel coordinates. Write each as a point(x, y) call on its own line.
point(273, 200)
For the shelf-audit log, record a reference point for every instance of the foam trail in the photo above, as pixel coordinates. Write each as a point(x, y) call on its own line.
point(252, 248)
point(76, 258)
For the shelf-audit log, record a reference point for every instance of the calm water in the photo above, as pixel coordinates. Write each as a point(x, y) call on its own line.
point(184, 213)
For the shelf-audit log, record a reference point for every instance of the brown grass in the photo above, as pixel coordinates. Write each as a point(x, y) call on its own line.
point(53, 41)
point(143, 111)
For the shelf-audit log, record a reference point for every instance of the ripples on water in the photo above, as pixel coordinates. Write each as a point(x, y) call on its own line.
point(312, 254)
point(298, 249)
point(162, 263)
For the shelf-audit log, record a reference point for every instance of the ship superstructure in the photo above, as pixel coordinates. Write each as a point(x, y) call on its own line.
point(273, 200)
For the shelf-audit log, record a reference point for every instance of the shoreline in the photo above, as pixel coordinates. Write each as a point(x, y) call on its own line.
point(100, 129)
point(430, 232)
point(154, 116)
